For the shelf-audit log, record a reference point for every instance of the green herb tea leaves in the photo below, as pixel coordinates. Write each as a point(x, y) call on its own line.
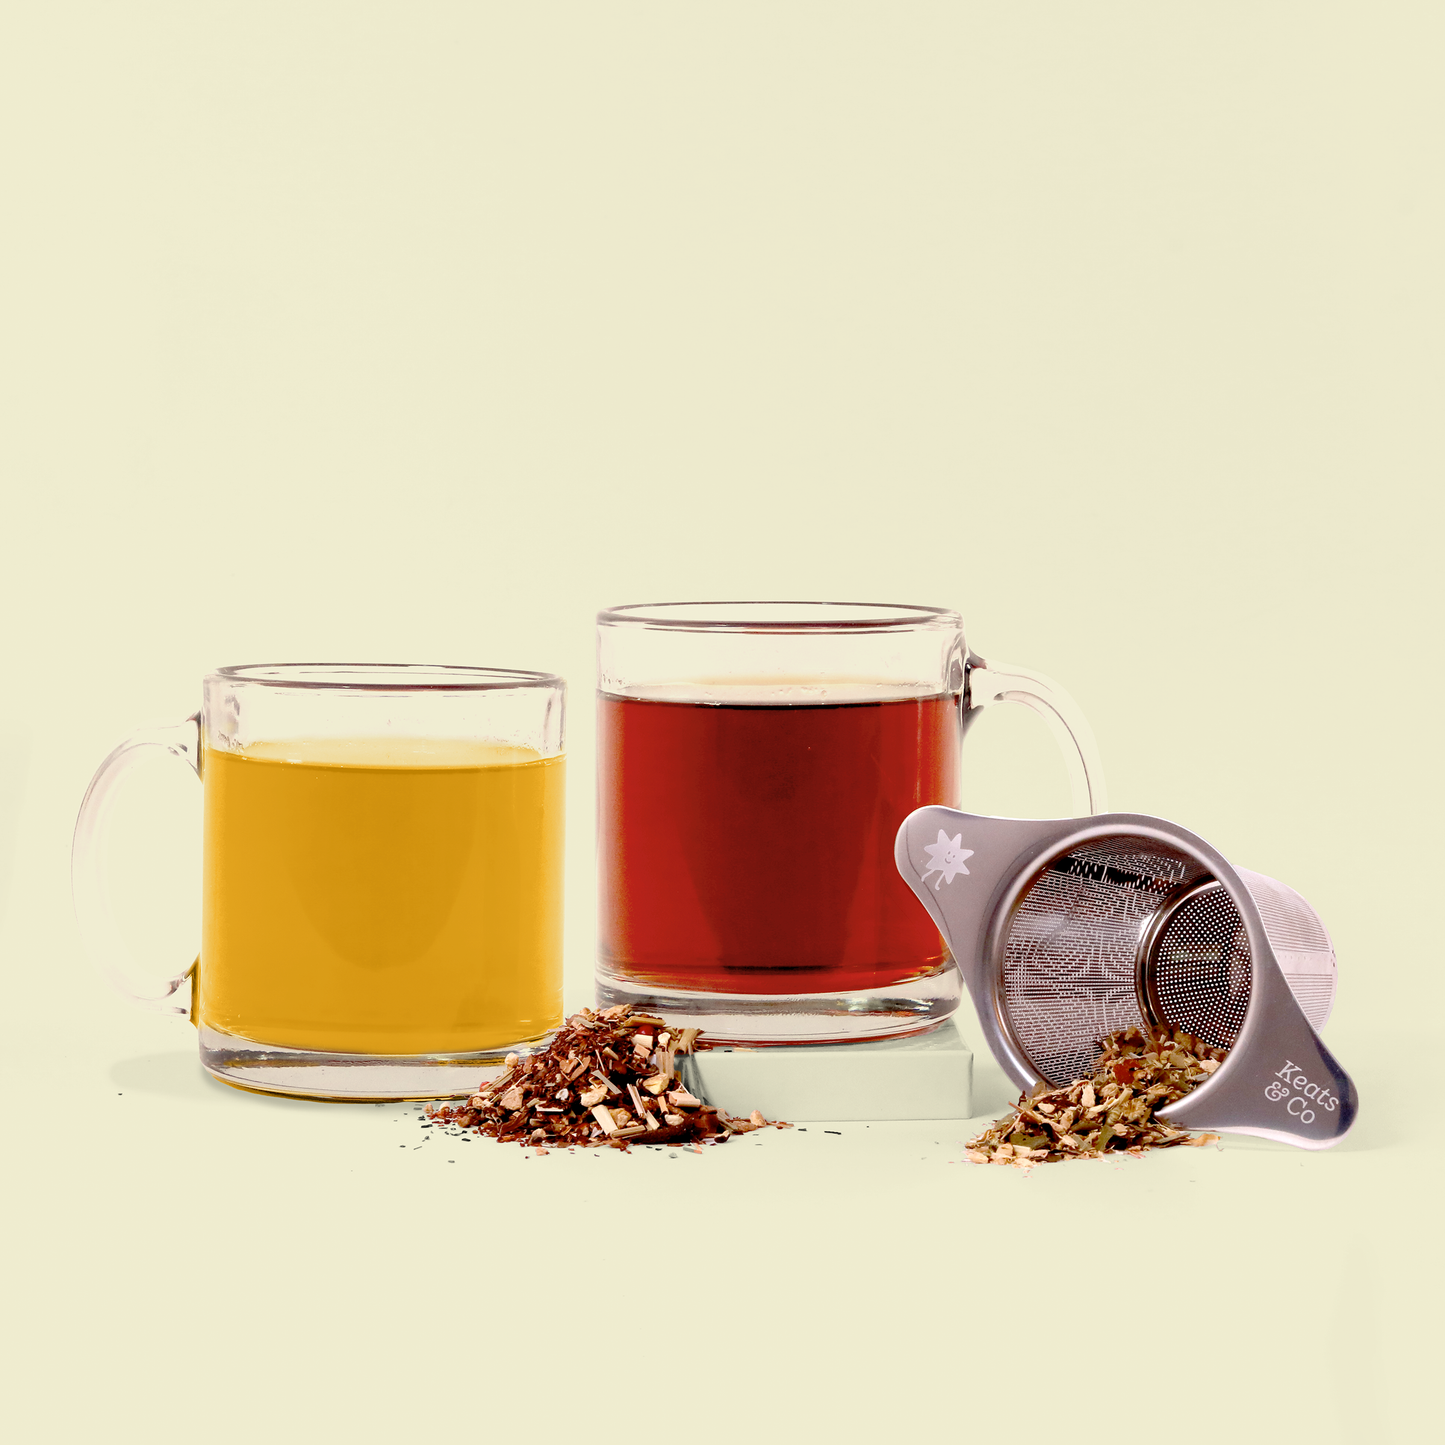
point(1111, 1112)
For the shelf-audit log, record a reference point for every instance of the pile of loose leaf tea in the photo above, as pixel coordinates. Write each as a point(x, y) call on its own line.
point(1113, 1111)
point(606, 1078)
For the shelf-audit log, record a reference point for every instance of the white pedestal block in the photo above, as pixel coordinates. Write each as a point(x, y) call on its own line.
point(928, 1076)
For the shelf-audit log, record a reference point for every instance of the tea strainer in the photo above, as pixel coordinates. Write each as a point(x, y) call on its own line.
point(1066, 930)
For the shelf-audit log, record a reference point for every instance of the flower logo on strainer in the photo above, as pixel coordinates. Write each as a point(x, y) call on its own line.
point(945, 857)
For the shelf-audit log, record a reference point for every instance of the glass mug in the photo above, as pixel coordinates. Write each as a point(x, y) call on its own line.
point(381, 875)
point(755, 760)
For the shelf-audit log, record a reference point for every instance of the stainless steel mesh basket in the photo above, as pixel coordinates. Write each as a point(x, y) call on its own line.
point(1068, 930)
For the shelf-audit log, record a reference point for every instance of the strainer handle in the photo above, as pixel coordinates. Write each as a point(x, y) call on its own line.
point(986, 683)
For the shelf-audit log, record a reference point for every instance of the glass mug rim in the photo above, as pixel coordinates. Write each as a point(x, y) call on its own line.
point(780, 617)
point(386, 677)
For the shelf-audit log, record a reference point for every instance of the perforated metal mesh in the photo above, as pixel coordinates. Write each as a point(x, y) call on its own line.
point(1070, 964)
point(1300, 942)
point(1125, 931)
point(1197, 974)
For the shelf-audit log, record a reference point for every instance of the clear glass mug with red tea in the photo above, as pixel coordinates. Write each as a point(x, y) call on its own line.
point(755, 760)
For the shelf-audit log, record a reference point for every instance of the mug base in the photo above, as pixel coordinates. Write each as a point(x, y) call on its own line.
point(352, 1078)
point(912, 1006)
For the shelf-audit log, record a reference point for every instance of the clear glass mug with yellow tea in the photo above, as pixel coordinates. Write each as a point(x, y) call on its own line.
point(381, 875)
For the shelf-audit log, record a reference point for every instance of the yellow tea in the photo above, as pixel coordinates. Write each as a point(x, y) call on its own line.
point(382, 896)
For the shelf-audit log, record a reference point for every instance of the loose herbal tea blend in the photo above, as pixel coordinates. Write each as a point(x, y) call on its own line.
point(1112, 1112)
point(607, 1078)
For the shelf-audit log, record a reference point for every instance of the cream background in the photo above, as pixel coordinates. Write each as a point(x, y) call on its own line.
point(383, 332)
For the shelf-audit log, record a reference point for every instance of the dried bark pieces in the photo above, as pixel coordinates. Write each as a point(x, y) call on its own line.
point(1113, 1112)
point(605, 1079)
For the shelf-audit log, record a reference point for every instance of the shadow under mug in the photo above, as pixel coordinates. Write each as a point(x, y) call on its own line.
point(755, 760)
point(382, 875)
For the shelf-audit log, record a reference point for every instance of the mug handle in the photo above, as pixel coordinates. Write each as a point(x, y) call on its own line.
point(89, 888)
point(986, 683)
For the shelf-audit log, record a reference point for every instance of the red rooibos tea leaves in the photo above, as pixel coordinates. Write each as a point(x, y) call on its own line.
point(607, 1078)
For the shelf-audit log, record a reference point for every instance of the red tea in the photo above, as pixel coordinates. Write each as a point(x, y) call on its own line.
point(748, 848)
